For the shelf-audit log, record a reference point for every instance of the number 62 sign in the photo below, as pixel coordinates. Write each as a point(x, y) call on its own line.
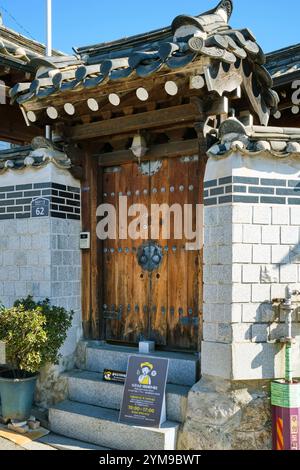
point(40, 207)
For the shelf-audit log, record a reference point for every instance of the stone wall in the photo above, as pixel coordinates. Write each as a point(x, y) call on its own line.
point(226, 415)
point(41, 256)
point(65, 285)
point(251, 254)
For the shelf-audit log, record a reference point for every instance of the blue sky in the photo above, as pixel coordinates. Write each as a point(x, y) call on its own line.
point(78, 23)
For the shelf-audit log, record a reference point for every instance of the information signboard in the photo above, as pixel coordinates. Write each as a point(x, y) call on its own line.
point(144, 392)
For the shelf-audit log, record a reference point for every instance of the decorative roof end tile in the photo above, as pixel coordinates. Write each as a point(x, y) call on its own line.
point(253, 141)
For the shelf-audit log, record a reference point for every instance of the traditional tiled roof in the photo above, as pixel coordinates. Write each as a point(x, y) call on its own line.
point(18, 50)
point(207, 38)
point(284, 64)
point(255, 140)
point(37, 155)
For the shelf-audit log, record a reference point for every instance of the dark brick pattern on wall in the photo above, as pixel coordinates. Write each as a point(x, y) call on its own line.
point(15, 201)
point(247, 190)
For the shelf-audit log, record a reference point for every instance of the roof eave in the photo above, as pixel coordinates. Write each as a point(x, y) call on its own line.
point(286, 79)
point(15, 63)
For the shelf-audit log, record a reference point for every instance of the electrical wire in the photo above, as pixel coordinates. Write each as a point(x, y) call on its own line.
point(13, 18)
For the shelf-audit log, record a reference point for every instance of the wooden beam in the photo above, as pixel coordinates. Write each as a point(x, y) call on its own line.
point(13, 127)
point(86, 254)
point(148, 120)
point(92, 258)
point(132, 84)
point(96, 251)
point(202, 167)
point(169, 150)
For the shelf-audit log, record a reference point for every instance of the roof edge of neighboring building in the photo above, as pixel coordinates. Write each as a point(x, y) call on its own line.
point(284, 50)
point(22, 40)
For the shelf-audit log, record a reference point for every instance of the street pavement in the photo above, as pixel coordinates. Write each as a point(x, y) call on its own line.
point(7, 445)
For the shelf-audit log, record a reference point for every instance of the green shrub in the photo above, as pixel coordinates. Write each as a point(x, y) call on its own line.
point(34, 333)
point(25, 337)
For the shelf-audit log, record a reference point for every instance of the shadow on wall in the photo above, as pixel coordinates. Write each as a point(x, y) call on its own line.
point(266, 315)
point(293, 256)
point(270, 326)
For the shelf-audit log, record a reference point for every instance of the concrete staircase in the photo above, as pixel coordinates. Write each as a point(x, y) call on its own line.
point(91, 412)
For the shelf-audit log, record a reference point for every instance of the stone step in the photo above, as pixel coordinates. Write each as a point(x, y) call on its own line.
point(57, 442)
point(100, 426)
point(90, 388)
point(183, 368)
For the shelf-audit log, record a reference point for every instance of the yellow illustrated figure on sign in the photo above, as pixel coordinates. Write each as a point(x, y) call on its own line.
point(144, 378)
point(107, 375)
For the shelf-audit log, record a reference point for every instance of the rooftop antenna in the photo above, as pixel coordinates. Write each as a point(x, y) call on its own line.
point(49, 47)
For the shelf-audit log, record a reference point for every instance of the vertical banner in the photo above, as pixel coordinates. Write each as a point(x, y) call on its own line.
point(144, 392)
point(285, 400)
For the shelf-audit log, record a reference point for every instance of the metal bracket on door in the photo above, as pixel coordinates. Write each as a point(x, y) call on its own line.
point(194, 158)
point(112, 169)
point(150, 168)
point(112, 314)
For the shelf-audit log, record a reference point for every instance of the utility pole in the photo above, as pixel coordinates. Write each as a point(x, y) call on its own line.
point(49, 46)
point(49, 28)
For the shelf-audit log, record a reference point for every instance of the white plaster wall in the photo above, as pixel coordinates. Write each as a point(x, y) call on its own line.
point(263, 166)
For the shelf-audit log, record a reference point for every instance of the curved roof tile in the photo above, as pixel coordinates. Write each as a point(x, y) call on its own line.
point(188, 39)
point(37, 155)
point(253, 141)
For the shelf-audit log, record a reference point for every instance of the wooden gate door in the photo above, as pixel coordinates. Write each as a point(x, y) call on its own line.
point(153, 286)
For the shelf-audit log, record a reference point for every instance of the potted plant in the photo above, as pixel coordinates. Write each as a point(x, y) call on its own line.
point(33, 333)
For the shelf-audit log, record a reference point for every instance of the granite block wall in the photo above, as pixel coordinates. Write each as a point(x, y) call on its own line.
point(41, 256)
point(251, 254)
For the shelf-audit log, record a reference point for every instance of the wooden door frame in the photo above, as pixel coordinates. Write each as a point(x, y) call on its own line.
point(92, 260)
point(91, 280)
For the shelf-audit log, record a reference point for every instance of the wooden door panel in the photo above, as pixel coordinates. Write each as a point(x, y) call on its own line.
point(126, 286)
point(177, 269)
point(124, 260)
point(139, 324)
point(194, 258)
point(159, 278)
point(162, 305)
point(110, 266)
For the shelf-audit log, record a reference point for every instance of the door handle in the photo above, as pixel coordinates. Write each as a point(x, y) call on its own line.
point(150, 256)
